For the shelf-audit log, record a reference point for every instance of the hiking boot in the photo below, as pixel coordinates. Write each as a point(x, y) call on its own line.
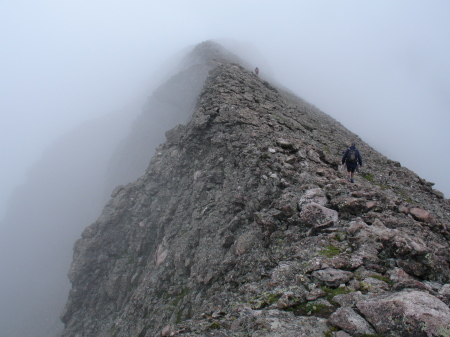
point(352, 181)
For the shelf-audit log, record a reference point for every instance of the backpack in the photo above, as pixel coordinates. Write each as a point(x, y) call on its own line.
point(352, 157)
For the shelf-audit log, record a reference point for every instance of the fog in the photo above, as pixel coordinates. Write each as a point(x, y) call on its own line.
point(380, 68)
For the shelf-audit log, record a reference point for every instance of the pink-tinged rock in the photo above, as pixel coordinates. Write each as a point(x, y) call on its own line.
point(316, 263)
point(332, 277)
point(341, 334)
point(357, 194)
point(339, 262)
point(420, 214)
point(349, 321)
point(356, 226)
point(355, 261)
point(166, 331)
point(291, 159)
point(407, 313)
point(352, 205)
point(315, 294)
point(398, 275)
point(348, 300)
point(409, 245)
point(325, 172)
point(411, 284)
point(377, 232)
point(321, 171)
point(246, 242)
point(315, 215)
point(403, 209)
point(371, 205)
point(445, 292)
point(375, 285)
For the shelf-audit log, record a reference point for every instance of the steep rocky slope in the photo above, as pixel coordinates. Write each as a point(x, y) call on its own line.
point(69, 185)
point(244, 224)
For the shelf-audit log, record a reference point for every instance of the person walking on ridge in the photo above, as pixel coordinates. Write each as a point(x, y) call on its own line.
point(351, 158)
point(257, 71)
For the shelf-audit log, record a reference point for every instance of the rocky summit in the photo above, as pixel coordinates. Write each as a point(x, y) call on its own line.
point(245, 224)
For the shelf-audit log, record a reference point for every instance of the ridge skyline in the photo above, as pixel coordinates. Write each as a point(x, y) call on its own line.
point(382, 64)
point(161, 130)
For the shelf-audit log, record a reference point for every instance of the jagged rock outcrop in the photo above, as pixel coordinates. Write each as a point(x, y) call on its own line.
point(169, 105)
point(244, 224)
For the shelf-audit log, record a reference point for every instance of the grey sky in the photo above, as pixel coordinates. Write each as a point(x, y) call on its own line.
point(381, 67)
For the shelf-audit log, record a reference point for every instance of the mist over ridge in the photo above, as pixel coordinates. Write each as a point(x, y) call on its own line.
point(379, 69)
point(70, 184)
point(244, 216)
point(119, 165)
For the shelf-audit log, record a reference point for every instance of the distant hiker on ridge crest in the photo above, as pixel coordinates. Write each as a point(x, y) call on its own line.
point(257, 71)
point(351, 158)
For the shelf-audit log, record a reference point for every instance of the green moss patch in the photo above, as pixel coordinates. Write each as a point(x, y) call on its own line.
point(265, 300)
point(330, 333)
point(312, 309)
point(383, 278)
point(214, 326)
point(330, 292)
point(330, 251)
point(368, 176)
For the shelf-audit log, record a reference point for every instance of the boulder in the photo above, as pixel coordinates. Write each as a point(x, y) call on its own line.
point(280, 323)
point(354, 206)
point(283, 274)
point(444, 292)
point(349, 321)
point(375, 285)
point(332, 277)
point(316, 216)
point(314, 294)
point(420, 214)
point(348, 300)
point(287, 144)
point(407, 313)
point(438, 194)
point(316, 195)
point(341, 334)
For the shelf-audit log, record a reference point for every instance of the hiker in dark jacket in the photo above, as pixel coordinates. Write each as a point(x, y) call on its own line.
point(351, 158)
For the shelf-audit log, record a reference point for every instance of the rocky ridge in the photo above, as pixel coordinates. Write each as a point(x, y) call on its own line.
point(170, 104)
point(244, 224)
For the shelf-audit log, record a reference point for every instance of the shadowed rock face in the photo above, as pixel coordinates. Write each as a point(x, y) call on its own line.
point(244, 224)
point(68, 187)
